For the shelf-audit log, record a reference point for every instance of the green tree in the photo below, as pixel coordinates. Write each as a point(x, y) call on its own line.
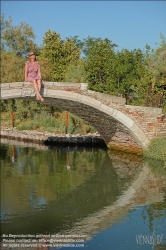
point(19, 39)
point(151, 89)
point(98, 63)
point(128, 69)
point(156, 66)
point(12, 67)
point(88, 43)
point(60, 54)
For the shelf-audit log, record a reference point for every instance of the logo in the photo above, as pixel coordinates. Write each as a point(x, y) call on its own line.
point(153, 239)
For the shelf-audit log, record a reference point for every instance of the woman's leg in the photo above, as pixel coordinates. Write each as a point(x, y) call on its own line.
point(39, 85)
point(39, 88)
point(38, 96)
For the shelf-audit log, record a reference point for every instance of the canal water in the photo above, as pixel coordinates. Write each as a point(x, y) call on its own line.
point(73, 197)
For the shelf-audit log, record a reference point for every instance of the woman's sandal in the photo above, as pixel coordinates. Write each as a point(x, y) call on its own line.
point(37, 98)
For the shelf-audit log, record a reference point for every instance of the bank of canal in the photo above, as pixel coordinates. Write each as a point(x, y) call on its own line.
point(90, 139)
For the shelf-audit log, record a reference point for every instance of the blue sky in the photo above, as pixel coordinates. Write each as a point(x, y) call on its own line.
point(129, 24)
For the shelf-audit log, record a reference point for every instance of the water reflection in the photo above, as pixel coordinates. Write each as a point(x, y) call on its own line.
point(76, 191)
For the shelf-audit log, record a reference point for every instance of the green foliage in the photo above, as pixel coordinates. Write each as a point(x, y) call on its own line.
point(87, 44)
point(153, 84)
point(110, 72)
point(12, 67)
point(155, 156)
point(138, 77)
point(156, 63)
point(127, 70)
point(36, 116)
point(26, 109)
point(45, 66)
point(40, 121)
point(6, 105)
point(77, 125)
point(59, 53)
point(76, 72)
point(157, 149)
point(47, 122)
point(99, 57)
point(18, 39)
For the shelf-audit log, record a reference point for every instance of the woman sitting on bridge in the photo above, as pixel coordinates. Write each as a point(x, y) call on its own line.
point(33, 74)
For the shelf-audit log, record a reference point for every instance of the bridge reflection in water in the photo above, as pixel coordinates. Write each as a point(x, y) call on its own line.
point(66, 203)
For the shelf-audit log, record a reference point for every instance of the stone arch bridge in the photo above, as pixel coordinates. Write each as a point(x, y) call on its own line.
point(123, 127)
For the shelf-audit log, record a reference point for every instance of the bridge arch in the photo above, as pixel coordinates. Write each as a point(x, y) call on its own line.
point(113, 119)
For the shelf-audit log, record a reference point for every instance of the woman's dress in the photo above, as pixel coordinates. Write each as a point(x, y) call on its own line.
point(32, 71)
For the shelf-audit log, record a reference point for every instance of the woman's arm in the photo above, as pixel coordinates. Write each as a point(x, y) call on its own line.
point(26, 71)
point(39, 71)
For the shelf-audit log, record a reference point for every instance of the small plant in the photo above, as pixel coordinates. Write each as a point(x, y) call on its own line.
point(156, 149)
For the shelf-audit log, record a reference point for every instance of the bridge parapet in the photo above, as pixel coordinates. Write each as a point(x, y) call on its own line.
point(81, 88)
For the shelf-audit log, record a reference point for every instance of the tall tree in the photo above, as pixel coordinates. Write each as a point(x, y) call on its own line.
point(156, 66)
point(128, 69)
point(19, 39)
point(88, 43)
point(60, 54)
point(98, 63)
point(151, 89)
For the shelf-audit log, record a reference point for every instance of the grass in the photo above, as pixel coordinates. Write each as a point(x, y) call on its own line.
point(44, 121)
point(156, 149)
point(155, 155)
